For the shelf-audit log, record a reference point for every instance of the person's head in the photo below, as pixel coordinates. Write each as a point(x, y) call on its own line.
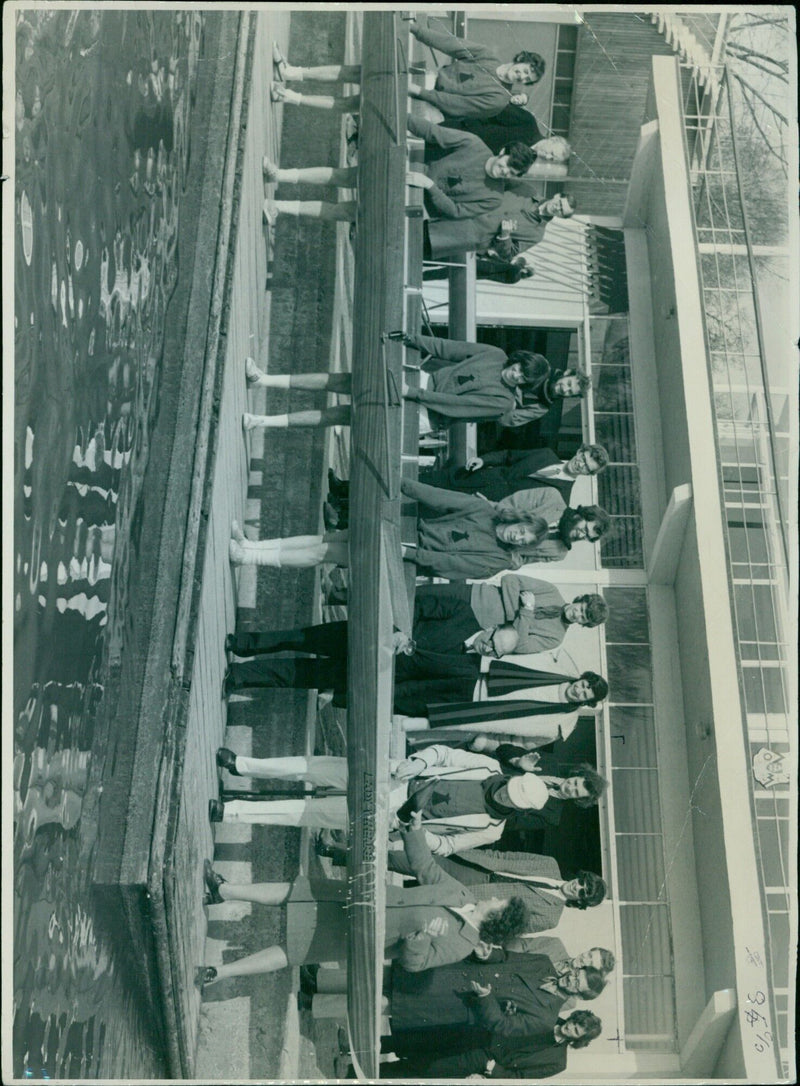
point(588, 522)
point(588, 460)
point(504, 921)
point(525, 369)
point(561, 206)
point(570, 383)
point(587, 983)
point(584, 891)
point(497, 642)
point(585, 786)
point(588, 610)
point(588, 689)
point(596, 958)
point(580, 1028)
point(522, 529)
point(513, 161)
point(526, 67)
point(552, 149)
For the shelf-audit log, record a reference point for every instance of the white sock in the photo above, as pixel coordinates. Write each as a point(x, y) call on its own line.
point(287, 207)
point(291, 177)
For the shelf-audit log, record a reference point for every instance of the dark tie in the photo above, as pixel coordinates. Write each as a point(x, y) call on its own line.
point(547, 612)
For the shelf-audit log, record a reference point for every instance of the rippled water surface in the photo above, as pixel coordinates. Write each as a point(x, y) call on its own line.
point(104, 101)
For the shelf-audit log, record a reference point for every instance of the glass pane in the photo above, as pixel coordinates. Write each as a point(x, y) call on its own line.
point(646, 943)
point(763, 690)
point(627, 620)
point(633, 736)
point(612, 388)
point(567, 37)
point(618, 490)
point(748, 543)
point(773, 848)
point(649, 1010)
point(565, 65)
point(640, 869)
point(616, 433)
point(629, 674)
point(636, 805)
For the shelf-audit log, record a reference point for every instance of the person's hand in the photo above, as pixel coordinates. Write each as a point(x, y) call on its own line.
point(475, 1077)
point(510, 1007)
point(474, 463)
point(402, 644)
point(417, 180)
point(480, 990)
point(519, 99)
point(507, 225)
point(413, 25)
point(527, 599)
point(408, 768)
point(414, 91)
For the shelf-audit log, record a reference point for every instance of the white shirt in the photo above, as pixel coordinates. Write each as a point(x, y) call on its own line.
point(553, 471)
point(556, 694)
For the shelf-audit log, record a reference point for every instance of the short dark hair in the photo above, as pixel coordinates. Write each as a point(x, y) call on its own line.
point(536, 62)
point(597, 516)
point(598, 453)
point(584, 381)
point(571, 200)
point(520, 157)
point(504, 924)
point(599, 687)
point(593, 890)
point(591, 1025)
point(595, 982)
point(595, 785)
point(535, 367)
point(596, 609)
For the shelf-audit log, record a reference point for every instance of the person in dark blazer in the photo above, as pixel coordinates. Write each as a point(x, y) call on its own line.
point(496, 475)
point(513, 123)
point(523, 221)
point(468, 1003)
point(542, 1054)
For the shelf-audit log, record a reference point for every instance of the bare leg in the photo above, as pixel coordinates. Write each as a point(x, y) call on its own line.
point(343, 177)
point(310, 382)
point(328, 416)
point(263, 961)
point(336, 103)
point(323, 73)
point(315, 209)
point(263, 893)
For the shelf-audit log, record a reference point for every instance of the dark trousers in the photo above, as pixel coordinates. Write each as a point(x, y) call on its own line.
point(325, 639)
point(325, 670)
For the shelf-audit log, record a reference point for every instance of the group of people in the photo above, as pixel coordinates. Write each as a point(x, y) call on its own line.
point(475, 989)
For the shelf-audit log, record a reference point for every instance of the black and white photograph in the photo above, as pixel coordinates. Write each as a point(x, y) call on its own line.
point(400, 434)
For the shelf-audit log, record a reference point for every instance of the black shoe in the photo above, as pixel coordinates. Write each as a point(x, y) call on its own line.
point(230, 643)
point(339, 488)
point(213, 882)
point(304, 1000)
point(226, 759)
point(324, 844)
point(216, 809)
point(308, 979)
point(203, 975)
point(343, 1041)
